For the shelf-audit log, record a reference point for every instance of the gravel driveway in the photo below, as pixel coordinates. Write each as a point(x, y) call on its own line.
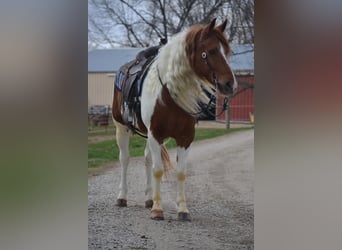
point(219, 191)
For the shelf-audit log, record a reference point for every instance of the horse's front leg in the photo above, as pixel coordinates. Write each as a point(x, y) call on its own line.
point(157, 164)
point(148, 168)
point(182, 211)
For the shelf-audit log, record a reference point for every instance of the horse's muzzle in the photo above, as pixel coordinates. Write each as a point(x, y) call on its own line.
point(227, 88)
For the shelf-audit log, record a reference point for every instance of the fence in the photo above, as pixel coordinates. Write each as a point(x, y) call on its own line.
point(99, 115)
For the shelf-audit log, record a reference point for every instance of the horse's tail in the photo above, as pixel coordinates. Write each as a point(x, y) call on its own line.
point(166, 159)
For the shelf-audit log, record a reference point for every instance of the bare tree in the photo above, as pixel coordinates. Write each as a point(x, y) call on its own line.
point(141, 23)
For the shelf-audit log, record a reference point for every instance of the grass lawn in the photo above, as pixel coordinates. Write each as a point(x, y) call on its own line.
point(106, 151)
point(101, 130)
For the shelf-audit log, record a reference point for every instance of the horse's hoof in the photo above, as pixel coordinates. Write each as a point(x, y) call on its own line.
point(184, 216)
point(149, 203)
point(121, 203)
point(157, 215)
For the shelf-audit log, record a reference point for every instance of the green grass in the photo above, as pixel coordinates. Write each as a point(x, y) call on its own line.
point(101, 130)
point(106, 151)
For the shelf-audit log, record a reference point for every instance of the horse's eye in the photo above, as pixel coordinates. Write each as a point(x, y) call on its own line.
point(212, 52)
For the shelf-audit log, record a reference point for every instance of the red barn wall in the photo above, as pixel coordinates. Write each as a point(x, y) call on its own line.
point(241, 105)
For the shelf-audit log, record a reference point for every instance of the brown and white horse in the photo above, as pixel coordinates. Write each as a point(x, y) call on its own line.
point(193, 61)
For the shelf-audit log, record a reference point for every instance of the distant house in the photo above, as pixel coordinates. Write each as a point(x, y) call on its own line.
point(103, 64)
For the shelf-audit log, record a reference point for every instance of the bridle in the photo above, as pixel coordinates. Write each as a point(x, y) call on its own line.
point(204, 56)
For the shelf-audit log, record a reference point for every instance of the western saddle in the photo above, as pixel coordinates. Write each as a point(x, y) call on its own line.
point(129, 81)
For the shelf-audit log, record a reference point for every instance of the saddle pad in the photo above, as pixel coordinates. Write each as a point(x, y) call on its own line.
point(119, 80)
point(122, 74)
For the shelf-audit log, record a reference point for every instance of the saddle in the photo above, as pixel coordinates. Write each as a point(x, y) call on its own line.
point(129, 81)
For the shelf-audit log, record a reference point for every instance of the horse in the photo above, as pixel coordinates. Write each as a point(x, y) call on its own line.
point(193, 62)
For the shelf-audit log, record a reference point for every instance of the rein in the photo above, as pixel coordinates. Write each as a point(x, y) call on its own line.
point(207, 107)
point(160, 80)
point(134, 128)
point(136, 131)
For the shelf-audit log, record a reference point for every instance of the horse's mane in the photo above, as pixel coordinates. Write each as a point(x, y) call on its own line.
point(185, 87)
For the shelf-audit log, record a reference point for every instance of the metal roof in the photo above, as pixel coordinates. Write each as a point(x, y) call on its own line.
point(110, 60)
point(242, 58)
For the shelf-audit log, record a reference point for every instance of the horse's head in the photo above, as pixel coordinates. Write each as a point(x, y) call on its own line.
point(207, 49)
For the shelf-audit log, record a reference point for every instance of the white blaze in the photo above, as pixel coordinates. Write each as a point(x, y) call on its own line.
point(235, 85)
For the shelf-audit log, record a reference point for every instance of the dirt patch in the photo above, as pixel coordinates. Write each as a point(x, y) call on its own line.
point(215, 124)
point(101, 170)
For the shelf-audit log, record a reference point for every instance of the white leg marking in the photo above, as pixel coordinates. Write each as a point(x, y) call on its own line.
point(182, 153)
point(148, 165)
point(157, 171)
point(122, 139)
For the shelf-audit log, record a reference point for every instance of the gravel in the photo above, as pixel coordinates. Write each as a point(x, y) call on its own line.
point(219, 191)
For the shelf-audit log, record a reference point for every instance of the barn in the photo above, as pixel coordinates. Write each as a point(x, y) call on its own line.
point(241, 106)
point(102, 66)
point(104, 63)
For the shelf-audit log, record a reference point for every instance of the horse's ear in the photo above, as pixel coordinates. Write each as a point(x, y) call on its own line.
point(208, 28)
point(211, 25)
point(222, 26)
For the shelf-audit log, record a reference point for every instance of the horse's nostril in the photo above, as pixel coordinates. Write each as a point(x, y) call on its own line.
point(230, 84)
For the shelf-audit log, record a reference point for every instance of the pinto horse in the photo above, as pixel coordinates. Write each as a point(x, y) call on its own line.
point(194, 61)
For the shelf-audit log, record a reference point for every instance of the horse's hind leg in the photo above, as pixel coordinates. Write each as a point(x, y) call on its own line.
point(148, 165)
point(122, 139)
point(182, 211)
point(157, 210)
